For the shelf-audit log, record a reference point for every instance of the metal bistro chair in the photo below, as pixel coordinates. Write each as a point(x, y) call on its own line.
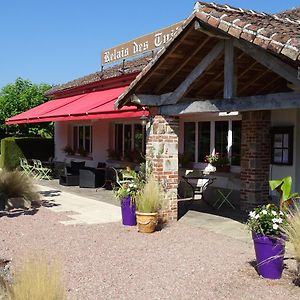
point(27, 168)
point(224, 195)
point(42, 172)
point(113, 177)
point(198, 183)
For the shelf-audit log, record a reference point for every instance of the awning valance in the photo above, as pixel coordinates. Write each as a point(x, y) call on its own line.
point(94, 105)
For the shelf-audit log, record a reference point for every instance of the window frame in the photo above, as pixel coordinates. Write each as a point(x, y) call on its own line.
point(76, 128)
point(289, 130)
point(196, 161)
point(132, 143)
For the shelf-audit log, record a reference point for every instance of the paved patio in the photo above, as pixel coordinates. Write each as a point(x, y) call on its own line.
point(91, 206)
point(81, 209)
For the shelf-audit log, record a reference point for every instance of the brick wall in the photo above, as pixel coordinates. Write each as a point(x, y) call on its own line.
point(255, 158)
point(162, 154)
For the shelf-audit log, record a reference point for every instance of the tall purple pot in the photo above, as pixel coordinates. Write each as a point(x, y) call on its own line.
point(128, 212)
point(269, 255)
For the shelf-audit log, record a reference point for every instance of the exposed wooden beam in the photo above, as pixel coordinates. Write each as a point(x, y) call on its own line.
point(197, 71)
point(228, 91)
point(293, 87)
point(268, 60)
point(172, 49)
point(148, 100)
point(247, 69)
point(210, 32)
point(253, 81)
point(182, 65)
point(261, 102)
point(269, 84)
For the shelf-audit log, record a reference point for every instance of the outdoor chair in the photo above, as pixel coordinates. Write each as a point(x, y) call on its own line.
point(91, 177)
point(198, 184)
point(113, 177)
point(71, 176)
point(27, 168)
point(41, 171)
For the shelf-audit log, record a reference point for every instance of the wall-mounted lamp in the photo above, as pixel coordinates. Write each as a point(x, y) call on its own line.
point(144, 120)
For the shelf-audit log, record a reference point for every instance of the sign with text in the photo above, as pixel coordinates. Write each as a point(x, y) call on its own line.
point(139, 45)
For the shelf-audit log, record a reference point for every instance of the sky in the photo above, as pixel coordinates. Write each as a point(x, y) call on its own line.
point(56, 41)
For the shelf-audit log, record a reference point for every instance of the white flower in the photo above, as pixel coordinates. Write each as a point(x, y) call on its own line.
point(264, 212)
point(274, 220)
point(257, 216)
point(275, 226)
point(131, 185)
point(128, 190)
point(279, 220)
point(252, 214)
point(281, 213)
point(274, 213)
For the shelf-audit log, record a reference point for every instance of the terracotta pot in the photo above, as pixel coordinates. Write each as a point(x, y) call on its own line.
point(146, 222)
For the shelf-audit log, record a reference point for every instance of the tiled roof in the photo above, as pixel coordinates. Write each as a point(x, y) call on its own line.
point(277, 33)
point(273, 32)
point(292, 14)
point(130, 66)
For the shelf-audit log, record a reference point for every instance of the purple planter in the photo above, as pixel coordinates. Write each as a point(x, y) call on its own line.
point(269, 255)
point(128, 212)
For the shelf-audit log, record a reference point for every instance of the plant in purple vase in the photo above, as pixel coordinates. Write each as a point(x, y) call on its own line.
point(126, 191)
point(265, 223)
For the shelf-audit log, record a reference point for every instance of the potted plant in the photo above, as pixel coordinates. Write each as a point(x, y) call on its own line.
point(148, 203)
point(266, 223)
point(68, 150)
point(126, 194)
point(219, 161)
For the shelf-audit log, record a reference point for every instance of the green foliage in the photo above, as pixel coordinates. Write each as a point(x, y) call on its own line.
point(13, 148)
point(129, 188)
point(18, 97)
point(283, 187)
point(14, 184)
point(149, 198)
point(267, 220)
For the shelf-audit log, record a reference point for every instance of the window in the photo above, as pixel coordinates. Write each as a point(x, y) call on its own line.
point(82, 138)
point(221, 137)
point(282, 145)
point(129, 139)
point(203, 140)
point(189, 140)
point(199, 141)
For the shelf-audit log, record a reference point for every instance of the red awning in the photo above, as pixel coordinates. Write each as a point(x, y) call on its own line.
point(94, 105)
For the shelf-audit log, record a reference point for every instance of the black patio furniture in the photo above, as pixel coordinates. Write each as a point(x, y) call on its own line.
point(91, 177)
point(71, 176)
point(198, 184)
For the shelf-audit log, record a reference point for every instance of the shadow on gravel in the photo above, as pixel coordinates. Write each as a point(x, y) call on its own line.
point(18, 212)
point(49, 203)
point(50, 193)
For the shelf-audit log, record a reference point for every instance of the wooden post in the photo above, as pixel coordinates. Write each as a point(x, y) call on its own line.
point(228, 91)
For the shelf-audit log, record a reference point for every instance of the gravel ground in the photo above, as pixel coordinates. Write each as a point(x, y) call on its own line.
point(114, 262)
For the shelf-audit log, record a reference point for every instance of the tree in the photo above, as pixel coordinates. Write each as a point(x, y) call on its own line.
point(18, 97)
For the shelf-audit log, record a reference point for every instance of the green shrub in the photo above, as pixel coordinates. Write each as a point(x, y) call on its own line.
point(13, 148)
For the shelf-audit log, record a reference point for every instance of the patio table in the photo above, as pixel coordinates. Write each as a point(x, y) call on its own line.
point(199, 184)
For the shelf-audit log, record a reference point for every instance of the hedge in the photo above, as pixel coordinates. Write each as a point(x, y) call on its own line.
point(12, 148)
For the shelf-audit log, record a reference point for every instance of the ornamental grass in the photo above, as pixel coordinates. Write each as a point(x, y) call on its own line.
point(149, 199)
point(37, 280)
point(14, 184)
point(292, 230)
